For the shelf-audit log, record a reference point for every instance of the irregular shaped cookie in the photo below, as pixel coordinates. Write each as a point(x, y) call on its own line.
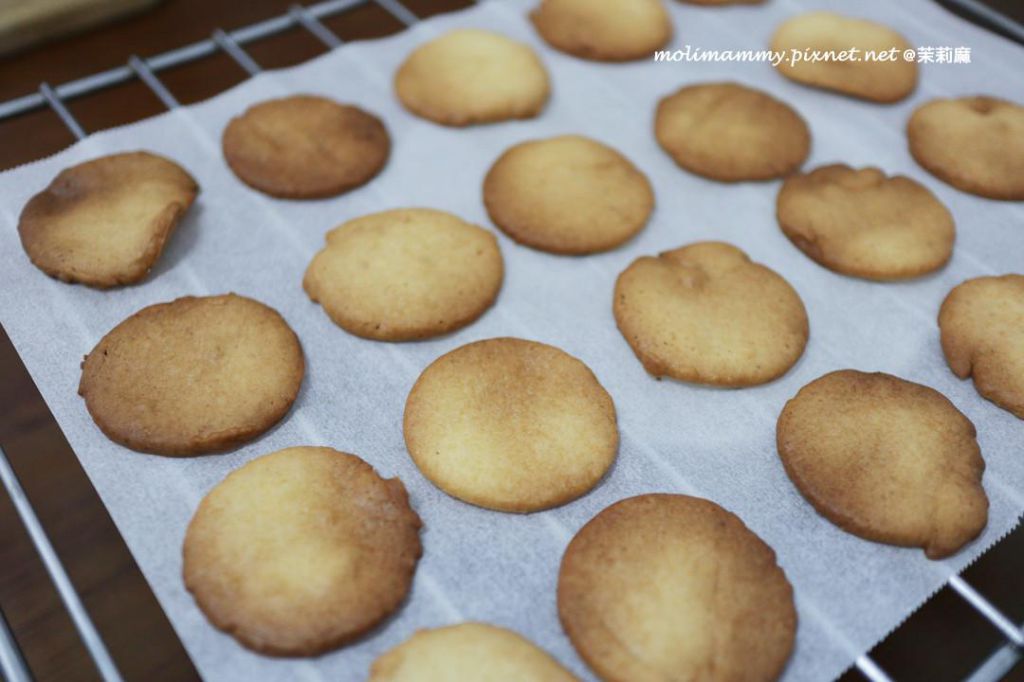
point(866, 224)
point(468, 76)
point(975, 144)
point(511, 425)
point(603, 30)
point(301, 551)
point(671, 587)
point(706, 313)
point(567, 194)
point(982, 325)
point(193, 376)
point(405, 274)
point(104, 222)
point(305, 147)
point(864, 59)
point(886, 459)
point(729, 132)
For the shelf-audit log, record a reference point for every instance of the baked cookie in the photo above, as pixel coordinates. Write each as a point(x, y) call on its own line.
point(866, 224)
point(405, 274)
point(301, 551)
point(878, 79)
point(705, 313)
point(305, 147)
point(468, 76)
point(603, 30)
point(511, 425)
point(982, 325)
point(193, 376)
point(469, 651)
point(729, 132)
point(104, 222)
point(567, 194)
point(671, 587)
point(975, 144)
point(886, 459)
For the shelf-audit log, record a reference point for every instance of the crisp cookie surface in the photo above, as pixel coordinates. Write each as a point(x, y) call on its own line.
point(469, 76)
point(875, 80)
point(705, 313)
point(511, 425)
point(886, 459)
point(603, 30)
point(405, 274)
point(982, 325)
point(730, 132)
point(975, 144)
point(305, 147)
point(567, 194)
point(193, 376)
point(671, 587)
point(864, 223)
point(301, 551)
point(104, 222)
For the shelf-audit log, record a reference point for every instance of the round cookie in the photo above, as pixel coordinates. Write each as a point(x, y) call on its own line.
point(405, 274)
point(469, 76)
point(567, 194)
point(301, 551)
point(975, 144)
point(603, 30)
point(866, 224)
point(104, 222)
point(876, 79)
point(730, 132)
point(511, 425)
point(982, 326)
point(468, 651)
point(305, 147)
point(193, 376)
point(885, 459)
point(670, 587)
point(705, 313)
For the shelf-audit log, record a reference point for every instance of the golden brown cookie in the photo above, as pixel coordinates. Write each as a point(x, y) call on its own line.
point(671, 587)
point(305, 147)
point(567, 194)
point(866, 60)
point(866, 224)
point(975, 144)
point(603, 30)
point(886, 459)
point(469, 76)
point(706, 313)
point(511, 425)
point(104, 222)
point(982, 325)
point(405, 274)
point(193, 376)
point(301, 551)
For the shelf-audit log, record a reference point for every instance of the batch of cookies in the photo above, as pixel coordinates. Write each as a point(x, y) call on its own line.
point(303, 550)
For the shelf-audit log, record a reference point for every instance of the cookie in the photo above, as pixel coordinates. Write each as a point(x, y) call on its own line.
point(885, 459)
point(301, 551)
point(511, 425)
point(193, 376)
point(567, 194)
point(469, 651)
point(104, 222)
point(867, 59)
point(305, 147)
point(603, 30)
point(705, 313)
point(405, 274)
point(468, 76)
point(671, 587)
point(730, 132)
point(975, 144)
point(982, 326)
point(865, 223)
